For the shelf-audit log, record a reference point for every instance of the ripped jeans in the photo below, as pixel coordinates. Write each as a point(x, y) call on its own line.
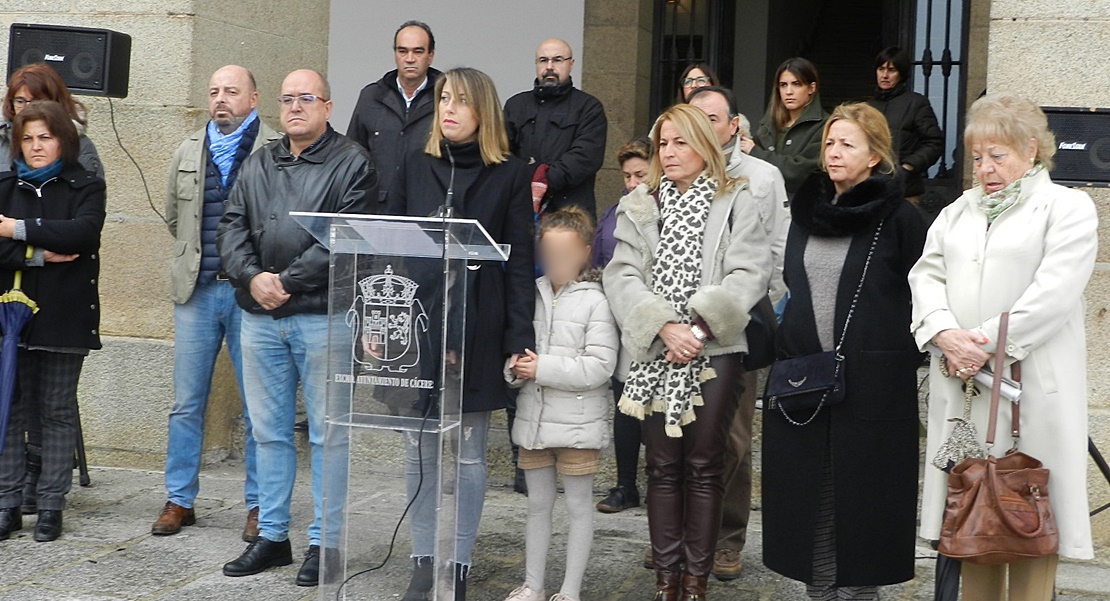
point(471, 490)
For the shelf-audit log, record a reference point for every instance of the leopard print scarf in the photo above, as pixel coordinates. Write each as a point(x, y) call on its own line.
point(659, 385)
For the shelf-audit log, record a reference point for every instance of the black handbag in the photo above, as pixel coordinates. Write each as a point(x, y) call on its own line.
point(817, 380)
point(761, 335)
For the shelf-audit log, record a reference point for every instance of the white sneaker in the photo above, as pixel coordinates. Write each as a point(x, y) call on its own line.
point(525, 593)
point(562, 597)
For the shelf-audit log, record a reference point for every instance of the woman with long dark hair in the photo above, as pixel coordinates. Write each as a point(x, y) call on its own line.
point(789, 136)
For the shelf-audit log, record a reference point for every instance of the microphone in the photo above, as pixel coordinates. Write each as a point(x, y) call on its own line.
point(448, 210)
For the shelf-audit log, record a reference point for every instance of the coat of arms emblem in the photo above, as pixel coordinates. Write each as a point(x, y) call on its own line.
point(389, 323)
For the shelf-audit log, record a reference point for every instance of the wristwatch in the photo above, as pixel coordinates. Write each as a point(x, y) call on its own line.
point(698, 333)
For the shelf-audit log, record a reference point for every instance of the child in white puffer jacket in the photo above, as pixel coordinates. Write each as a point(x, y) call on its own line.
point(562, 419)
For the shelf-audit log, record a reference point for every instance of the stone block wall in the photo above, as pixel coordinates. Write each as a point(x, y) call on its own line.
point(126, 388)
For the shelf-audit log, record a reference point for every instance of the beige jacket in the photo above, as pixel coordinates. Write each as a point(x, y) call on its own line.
point(1034, 262)
point(736, 272)
point(184, 203)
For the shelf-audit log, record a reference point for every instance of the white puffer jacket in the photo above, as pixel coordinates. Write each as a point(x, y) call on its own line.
point(568, 404)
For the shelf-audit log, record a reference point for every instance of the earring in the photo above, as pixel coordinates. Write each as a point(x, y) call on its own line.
point(1032, 160)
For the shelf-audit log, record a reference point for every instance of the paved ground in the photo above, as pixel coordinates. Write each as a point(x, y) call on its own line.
point(107, 554)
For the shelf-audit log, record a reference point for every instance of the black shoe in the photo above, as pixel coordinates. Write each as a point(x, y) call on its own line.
point(310, 574)
point(619, 499)
point(461, 574)
point(420, 586)
point(520, 485)
point(10, 520)
point(261, 554)
point(49, 526)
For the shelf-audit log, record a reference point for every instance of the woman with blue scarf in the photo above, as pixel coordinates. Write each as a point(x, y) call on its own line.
point(51, 215)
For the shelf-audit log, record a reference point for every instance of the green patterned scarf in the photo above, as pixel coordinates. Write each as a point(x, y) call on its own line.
point(996, 203)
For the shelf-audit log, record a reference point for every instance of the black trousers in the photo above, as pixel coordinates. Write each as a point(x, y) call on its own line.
point(47, 384)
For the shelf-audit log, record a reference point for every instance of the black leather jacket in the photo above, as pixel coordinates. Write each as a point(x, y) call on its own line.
point(257, 234)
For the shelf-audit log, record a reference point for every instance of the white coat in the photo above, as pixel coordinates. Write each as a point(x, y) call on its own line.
point(568, 404)
point(1034, 261)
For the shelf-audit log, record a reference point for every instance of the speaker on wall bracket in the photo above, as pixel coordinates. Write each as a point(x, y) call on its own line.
point(94, 62)
point(1082, 145)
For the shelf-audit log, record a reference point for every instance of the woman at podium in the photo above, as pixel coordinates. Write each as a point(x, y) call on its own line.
point(465, 170)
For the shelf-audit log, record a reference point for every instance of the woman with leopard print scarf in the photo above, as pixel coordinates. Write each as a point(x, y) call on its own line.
point(691, 261)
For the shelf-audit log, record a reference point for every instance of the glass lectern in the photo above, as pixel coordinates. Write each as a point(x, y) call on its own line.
point(397, 307)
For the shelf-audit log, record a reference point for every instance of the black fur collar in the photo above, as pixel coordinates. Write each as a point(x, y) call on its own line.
point(855, 211)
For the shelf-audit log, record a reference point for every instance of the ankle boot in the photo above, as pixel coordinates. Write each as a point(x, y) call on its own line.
point(420, 586)
point(31, 483)
point(668, 585)
point(461, 574)
point(693, 587)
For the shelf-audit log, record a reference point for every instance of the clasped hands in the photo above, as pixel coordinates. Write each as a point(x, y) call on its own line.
point(963, 352)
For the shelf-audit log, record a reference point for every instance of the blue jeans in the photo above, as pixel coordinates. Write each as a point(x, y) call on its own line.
point(471, 491)
point(201, 326)
point(277, 353)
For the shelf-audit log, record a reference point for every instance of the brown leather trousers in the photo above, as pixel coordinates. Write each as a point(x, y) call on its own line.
point(685, 475)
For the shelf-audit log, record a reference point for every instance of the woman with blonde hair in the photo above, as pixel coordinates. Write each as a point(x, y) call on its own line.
point(1021, 244)
point(466, 167)
point(690, 262)
point(840, 471)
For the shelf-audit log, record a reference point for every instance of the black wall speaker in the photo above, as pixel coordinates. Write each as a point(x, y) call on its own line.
point(95, 62)
point(1082, 145)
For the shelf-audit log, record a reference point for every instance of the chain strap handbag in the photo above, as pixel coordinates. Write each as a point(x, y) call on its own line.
point(997, 509)
point(817, 380)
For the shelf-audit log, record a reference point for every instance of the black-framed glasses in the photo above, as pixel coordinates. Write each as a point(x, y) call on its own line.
point(304, 99)
point(698, 81)
point(554, 61)
point(19, 102)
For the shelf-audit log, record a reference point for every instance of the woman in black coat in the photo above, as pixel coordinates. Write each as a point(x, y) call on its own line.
point(468, 153)
point(840, 492)
point(51, 214)
point(918, 139)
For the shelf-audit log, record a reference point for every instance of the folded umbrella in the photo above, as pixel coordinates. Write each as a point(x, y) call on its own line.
point(16, 310)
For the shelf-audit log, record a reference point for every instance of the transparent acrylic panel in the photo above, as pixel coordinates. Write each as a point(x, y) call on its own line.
point(393, 414)
point(403, 236)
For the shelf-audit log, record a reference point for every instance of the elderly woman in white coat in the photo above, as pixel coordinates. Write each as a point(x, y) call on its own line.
point(1016, 243)
point(691, 261)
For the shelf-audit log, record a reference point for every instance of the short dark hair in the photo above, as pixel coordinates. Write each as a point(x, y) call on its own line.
point(636, 148)
point(57, 121)
point(422, 25)
point(704, 68)
point(730, 98)
point(897, 57)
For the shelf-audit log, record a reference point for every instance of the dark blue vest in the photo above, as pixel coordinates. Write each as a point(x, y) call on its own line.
point(215, 195)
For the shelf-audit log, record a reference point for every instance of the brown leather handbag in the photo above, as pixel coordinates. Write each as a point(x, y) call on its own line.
point(997, 509)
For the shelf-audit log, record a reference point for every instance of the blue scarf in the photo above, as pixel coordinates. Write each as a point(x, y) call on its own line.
point(223, 148)
point(40, 175)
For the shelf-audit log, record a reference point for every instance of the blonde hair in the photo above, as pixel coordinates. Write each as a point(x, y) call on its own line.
point(697, 131)
point(875, 130)
point(481, 97)
point(1013, 121)
point(570, 218)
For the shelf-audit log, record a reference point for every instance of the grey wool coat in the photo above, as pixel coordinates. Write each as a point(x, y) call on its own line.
point(736, 272)
point(567, 405)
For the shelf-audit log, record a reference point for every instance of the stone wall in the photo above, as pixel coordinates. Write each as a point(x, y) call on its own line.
point(126, 388)
point(1045, 51)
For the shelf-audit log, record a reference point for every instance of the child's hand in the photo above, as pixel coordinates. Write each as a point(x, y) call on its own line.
point(525, 367)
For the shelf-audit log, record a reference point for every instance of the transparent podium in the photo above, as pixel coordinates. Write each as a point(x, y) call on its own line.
point(397, 312)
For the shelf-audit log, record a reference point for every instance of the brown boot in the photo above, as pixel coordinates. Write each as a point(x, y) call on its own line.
point(668, 585)
point(693, 588)
point(172, 518)
point(250, 529)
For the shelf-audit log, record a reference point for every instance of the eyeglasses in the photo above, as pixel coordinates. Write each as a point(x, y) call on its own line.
point(304, 99)
point(690, 81)
point(554, 61)
point(19, 102)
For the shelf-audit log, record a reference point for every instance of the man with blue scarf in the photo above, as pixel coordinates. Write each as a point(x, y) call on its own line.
point(202, 173)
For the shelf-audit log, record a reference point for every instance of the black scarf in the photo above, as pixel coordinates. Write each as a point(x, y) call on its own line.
point(856, 210)
point(887, 95)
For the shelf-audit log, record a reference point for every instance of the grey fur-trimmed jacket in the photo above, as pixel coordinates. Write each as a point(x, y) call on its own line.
point(736, 272)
